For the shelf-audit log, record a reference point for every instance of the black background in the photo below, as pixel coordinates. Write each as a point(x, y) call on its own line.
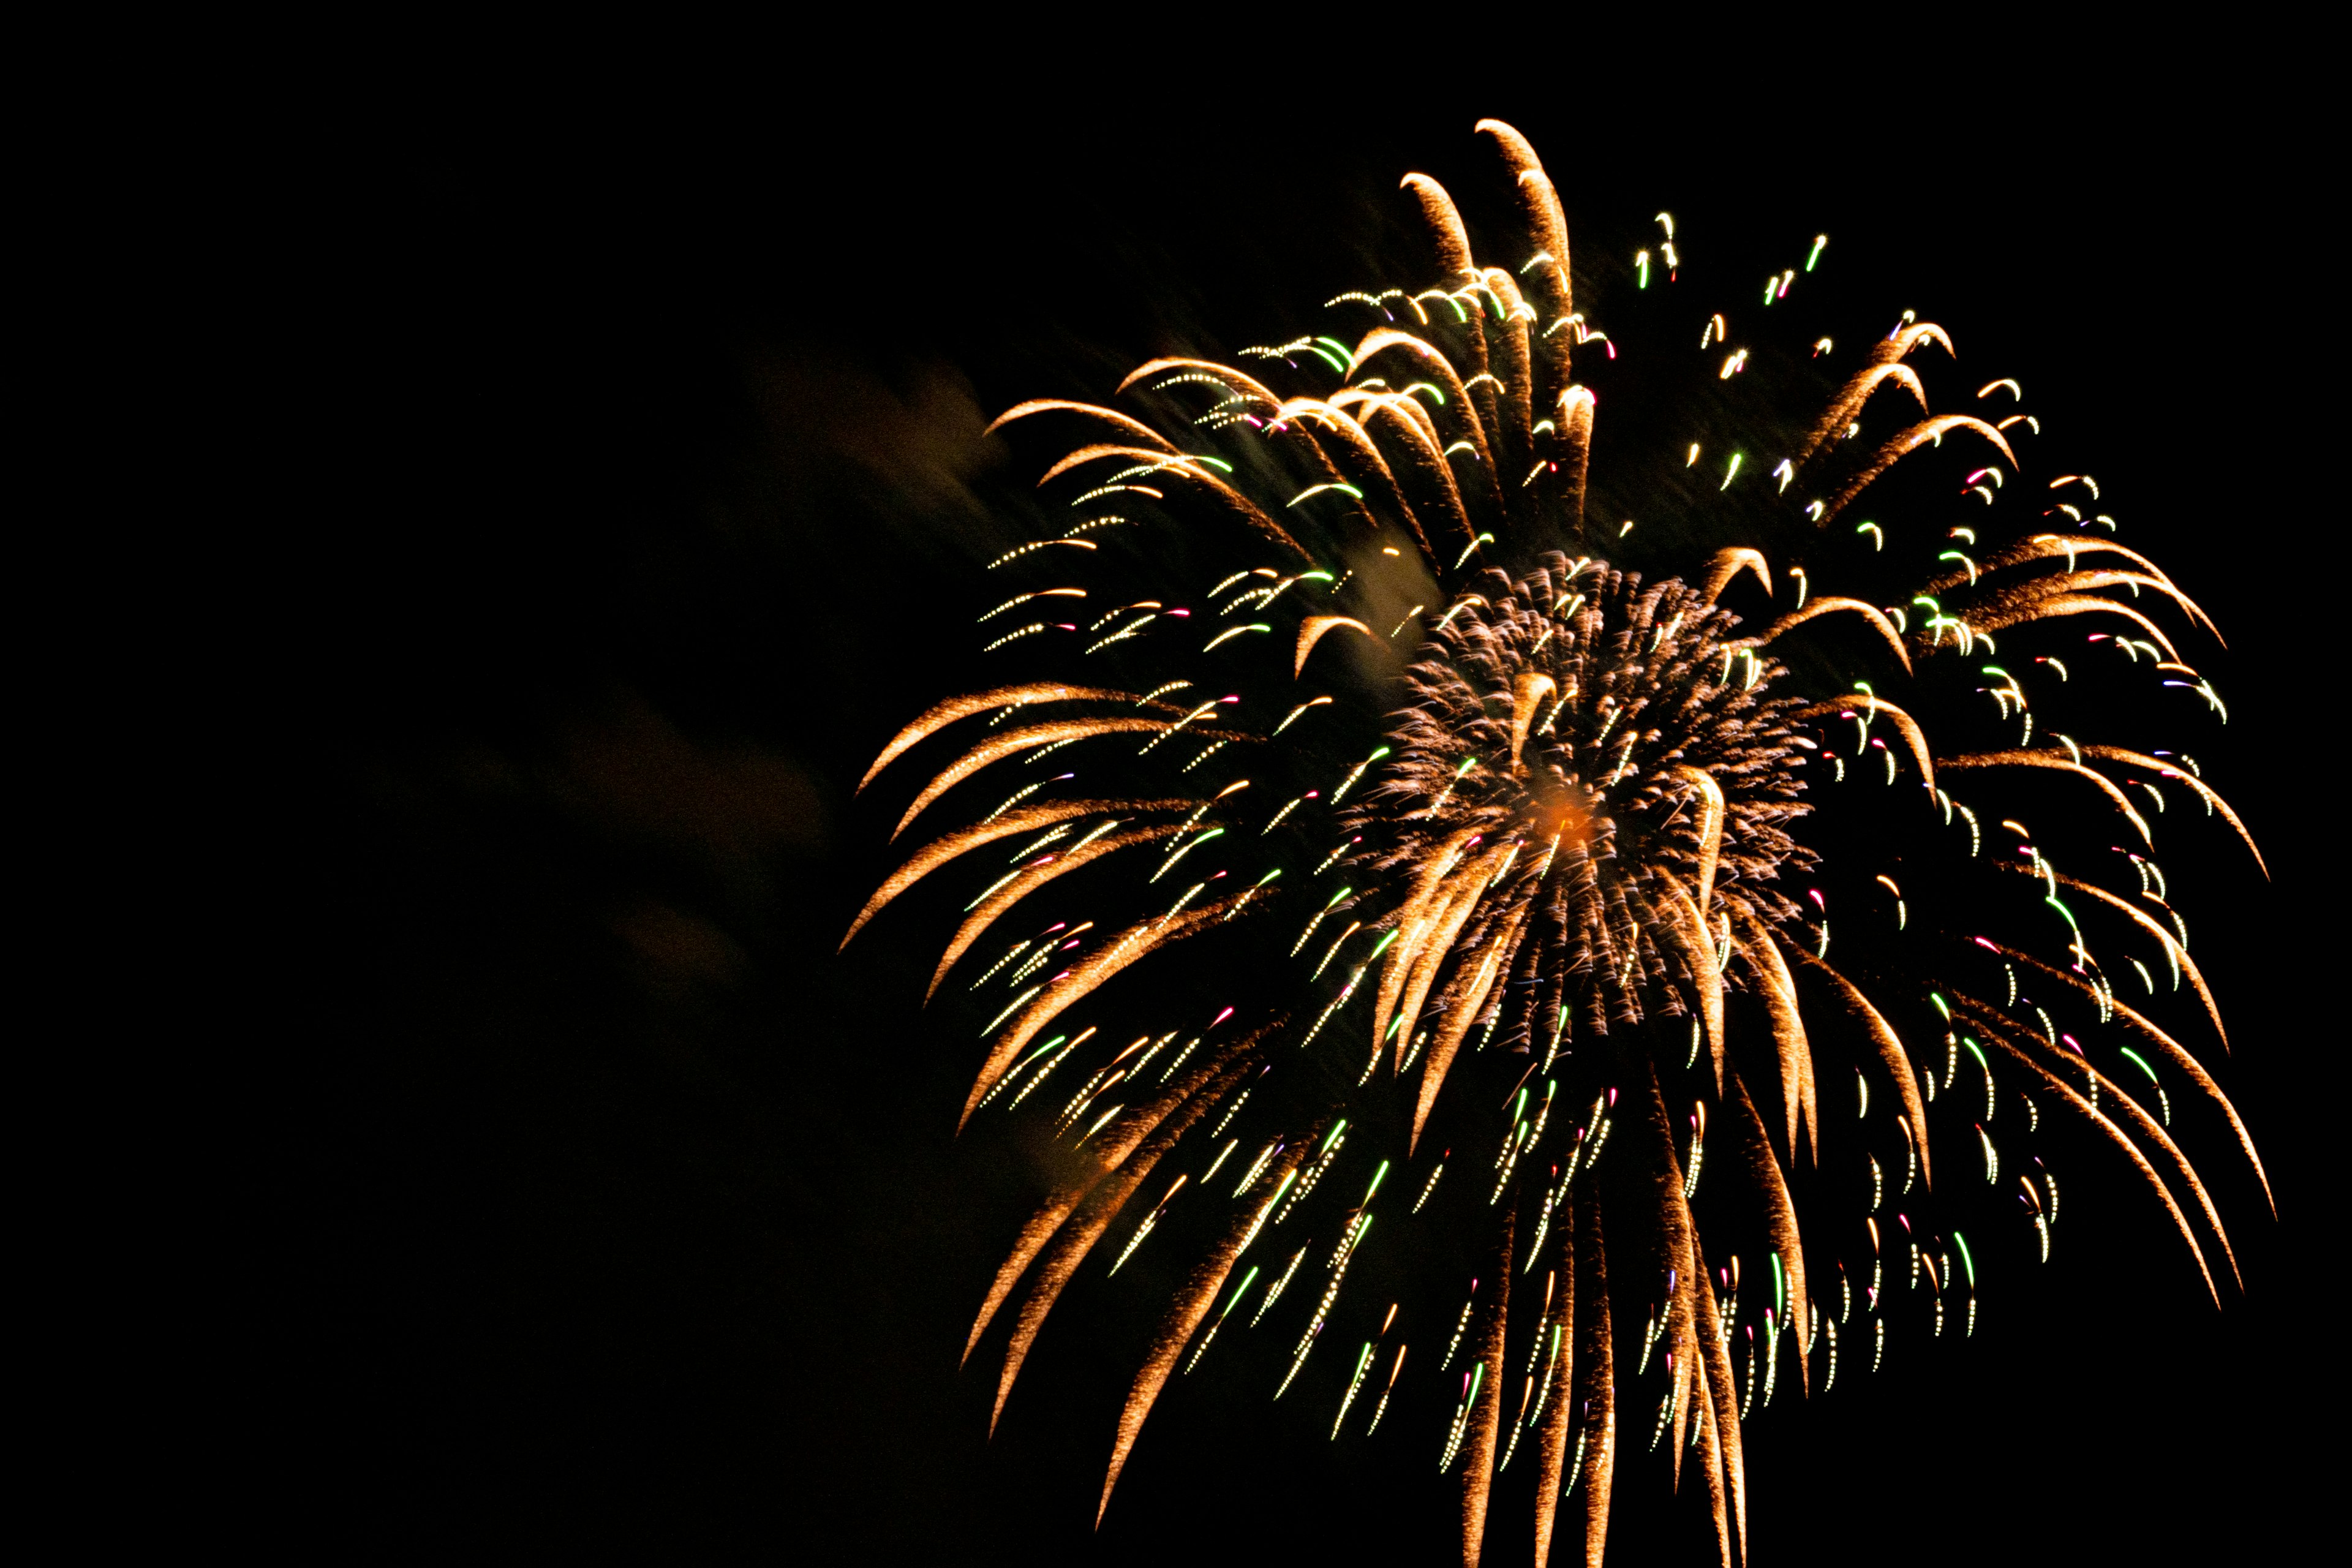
point(639, 1228)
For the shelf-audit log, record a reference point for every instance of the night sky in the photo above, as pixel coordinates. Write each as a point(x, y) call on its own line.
point(638, 1227)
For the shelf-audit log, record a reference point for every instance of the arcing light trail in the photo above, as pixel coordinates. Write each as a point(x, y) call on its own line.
point(1588, 825)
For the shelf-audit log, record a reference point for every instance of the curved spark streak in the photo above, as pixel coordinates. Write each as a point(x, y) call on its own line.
point(2174, 1052)
point(1703, 1360)
point(1891, 1053)
point(1782, 1207)
point(1600, 1363)
point(2020, 1041)
point(1457, 395)
point(1457, 1024)
point(938, 717)
point(1829, 605)
point(1413, 921)
point(1780, 992)
point(1485, 1418)
point(939, 851)
point(1903, 723)
point(1090, 972)
point(1078, 1236)
point(1124, 424)
point(2015, 759)
point(1562, 1405)
point(1445, 230)
point(1017, 741)
point(2044, 547)
point(1699, 952)
point(1224, 373)
point(1107, 1151)
point(1514, 413)
point(1332, 418)
point(1910, 441)
point(1151, 462)
point(1543, 204)
point(2140, 1161)
point(1192, 470)
point(1892, 349)
point(1184, 1317)
point(1434, 943)
point(1848, 406)
point(2011, 603)
point(2159, 766)
point(1529, 692)
point(2179, 953)
point(1729, 563)
point(1028, 882)
point(1413, 422)
point(1311, 632)
point(2059, 605)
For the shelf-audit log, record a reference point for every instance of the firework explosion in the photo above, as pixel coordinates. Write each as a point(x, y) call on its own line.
point(1474, 827)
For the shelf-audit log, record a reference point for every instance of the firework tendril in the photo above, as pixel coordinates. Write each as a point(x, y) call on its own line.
point(1403, 808)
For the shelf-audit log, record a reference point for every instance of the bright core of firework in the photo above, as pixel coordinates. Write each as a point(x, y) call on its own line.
point(1574, 756)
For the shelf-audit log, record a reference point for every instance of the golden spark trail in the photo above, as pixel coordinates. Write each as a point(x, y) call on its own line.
point(1910, 441)
point(2147, 1124)
point(2178, 953)
point(2061, 605)
point(1832, 604)
point(1908, 727)
point(1126, 426)
point(1729, 565)
point(1017, 741)
point(1115, 955)
point(1238, 502)
point(1093, 1214)
point(1455, 1025)
point(1779, 989)
point(1028, 881)
point(1786, 1239)
point(939, 717)
point(1890, 1052)
point(1184, 1318)
point(1848, 406)
point(939, 851)
point(1108, 1154)
point(2177, 1054)
point(1559, 1413)
point(2165, 770)
point(1485, 1415)
point(2140, 1161)
point(2048, 760)
point(1311, 630)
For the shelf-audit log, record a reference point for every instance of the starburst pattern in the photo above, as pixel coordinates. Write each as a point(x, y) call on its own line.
point(1565, 839)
